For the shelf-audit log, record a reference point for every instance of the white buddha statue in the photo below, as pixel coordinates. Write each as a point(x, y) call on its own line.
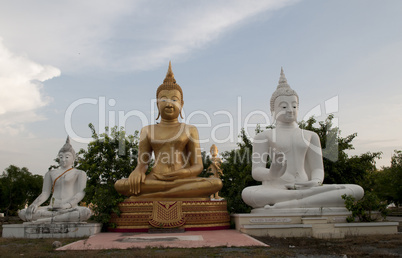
point(295, 178)
point(66, 185)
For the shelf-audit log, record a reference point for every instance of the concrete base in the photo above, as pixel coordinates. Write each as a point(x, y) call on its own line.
point(54, 230)
point(316, 222)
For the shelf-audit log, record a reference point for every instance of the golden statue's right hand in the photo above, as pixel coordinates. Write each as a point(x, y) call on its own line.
point(135, 179)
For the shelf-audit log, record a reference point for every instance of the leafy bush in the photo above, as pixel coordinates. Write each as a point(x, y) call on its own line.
point(236, 169)
point(108, 158)
point(362, 209)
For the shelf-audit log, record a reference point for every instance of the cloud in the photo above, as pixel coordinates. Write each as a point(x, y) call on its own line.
point(21, 90)
point(174, 31)
point(126, 35)
point(68, 34)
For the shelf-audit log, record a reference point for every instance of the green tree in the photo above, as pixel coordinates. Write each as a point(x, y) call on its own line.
point(109, 157)
point(236, 167)
point(18, 187)
point(388, 181)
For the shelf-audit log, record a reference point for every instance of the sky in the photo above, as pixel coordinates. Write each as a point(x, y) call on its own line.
point(65, 64)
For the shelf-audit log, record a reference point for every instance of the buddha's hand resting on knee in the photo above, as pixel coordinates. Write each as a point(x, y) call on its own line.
point(278, 165)
point(135, 179)
point(30, 211)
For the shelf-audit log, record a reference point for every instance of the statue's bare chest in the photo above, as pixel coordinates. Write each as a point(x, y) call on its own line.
point(60, 177)
point(289, 141)
point(175, 137)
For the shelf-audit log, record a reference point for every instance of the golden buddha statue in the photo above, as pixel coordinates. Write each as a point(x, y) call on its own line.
point(176, 150)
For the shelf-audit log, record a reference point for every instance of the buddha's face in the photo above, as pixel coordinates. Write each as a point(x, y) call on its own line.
point(66, 160)
point(169, 104)
point(286, 109)
point(214, 151)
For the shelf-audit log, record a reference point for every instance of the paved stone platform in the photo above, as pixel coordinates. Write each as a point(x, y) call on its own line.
point(188, 239)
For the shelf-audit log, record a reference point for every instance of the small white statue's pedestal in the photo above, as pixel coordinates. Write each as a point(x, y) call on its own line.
point(311, 222)
point(51, 230)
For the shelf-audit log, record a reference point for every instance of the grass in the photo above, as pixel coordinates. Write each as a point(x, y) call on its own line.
point(373, 246)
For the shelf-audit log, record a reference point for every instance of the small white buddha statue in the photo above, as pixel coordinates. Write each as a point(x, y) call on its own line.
point(295, 178)
point(66, 184)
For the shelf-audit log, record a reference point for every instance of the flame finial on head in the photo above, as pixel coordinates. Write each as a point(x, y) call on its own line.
point(67, 147)
point(282, 79)
point(169, 83)
point(169, 75)
point(283, 89)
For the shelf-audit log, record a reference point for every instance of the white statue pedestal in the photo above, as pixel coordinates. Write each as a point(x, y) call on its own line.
point(51, 230)
point(312, 222)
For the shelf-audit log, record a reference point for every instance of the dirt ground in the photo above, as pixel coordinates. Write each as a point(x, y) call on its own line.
point(373, 246)
point(362, 246)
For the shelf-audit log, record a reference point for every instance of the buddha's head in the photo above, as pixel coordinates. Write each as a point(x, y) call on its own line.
point(284, 102)
point(169, 97)
point(66, 155)
point(214, 150)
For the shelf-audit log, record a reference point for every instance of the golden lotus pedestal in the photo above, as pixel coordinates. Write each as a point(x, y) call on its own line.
point(143, 215)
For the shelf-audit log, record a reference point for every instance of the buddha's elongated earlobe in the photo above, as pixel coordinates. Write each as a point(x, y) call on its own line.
point(182, 103)
point(159, 114)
